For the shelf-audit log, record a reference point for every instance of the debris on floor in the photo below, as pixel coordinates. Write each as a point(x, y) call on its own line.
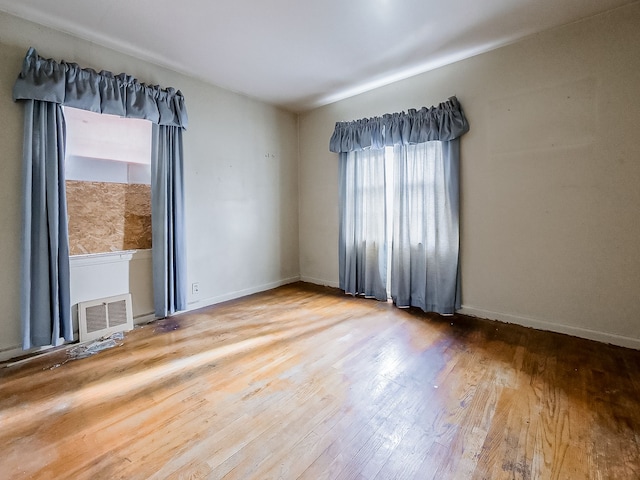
point(85, 350)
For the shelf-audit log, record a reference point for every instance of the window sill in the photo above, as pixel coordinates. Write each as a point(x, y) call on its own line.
point(101, 258)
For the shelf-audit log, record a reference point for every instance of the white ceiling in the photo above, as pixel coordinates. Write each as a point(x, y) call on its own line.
point(300, 54)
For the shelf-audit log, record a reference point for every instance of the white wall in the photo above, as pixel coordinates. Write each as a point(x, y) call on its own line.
point(240, 176)
point(550, 177)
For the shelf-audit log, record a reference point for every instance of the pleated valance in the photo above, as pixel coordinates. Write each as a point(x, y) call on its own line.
point(444, 122)
point(84, 88)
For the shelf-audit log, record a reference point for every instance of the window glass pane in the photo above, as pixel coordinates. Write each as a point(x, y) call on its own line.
point(108, 176)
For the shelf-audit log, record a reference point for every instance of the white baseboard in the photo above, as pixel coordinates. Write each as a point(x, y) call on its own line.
point(145, 318)
point(206, 302)
point(12, 352)
point(9, 353)
point(603, 337)
point(317, 281)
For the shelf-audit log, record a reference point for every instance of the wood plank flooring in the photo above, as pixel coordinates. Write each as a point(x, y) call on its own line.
point(303, 382)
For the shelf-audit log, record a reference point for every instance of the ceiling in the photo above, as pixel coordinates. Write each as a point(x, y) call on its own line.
point(300, 54)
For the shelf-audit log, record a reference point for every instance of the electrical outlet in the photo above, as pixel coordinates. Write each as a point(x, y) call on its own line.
point(195, 288)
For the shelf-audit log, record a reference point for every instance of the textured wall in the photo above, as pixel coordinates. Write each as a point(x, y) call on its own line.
point(106, 217)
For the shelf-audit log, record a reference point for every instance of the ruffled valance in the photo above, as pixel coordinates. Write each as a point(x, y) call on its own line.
point(84, 88)
point(444, 122)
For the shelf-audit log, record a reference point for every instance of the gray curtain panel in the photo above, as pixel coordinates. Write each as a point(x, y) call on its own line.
point(424, 265)
point(45, 86)
point(167, 221)
point(424, 247)
point(363, 238)
point(45, 309)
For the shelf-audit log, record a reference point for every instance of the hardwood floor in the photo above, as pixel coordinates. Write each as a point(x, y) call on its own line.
point(305, 382)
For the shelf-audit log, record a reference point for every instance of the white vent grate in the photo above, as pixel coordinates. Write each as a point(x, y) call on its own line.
point(98, 318)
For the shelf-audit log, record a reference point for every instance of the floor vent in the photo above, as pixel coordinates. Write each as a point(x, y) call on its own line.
point(102, 317)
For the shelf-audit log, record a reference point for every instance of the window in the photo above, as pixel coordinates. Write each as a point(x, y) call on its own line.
point(399, 225)
point(107, 177)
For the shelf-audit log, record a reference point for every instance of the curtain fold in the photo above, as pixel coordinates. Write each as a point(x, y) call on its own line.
point(425, 255)
point(443, 122)
point(167, 221)
point(68, 84)
point(363, 240)
point(45, 308)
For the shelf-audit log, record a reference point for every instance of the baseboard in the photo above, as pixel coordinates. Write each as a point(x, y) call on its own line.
point(317, 281)
point(205, 302)
point(145, 318)
point(620, 340)
point(16, 351)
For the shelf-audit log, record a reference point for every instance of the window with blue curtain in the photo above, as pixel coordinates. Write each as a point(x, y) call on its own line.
point(44, 86)
point(399, 208)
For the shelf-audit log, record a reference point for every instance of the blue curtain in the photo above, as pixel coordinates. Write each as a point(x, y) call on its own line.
point(424, 247)
point(167, 221)
point(443, 123)
point(425, 253)
point(45, 309)
point(363, 238)
point(101, 92)
point(45, 86)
